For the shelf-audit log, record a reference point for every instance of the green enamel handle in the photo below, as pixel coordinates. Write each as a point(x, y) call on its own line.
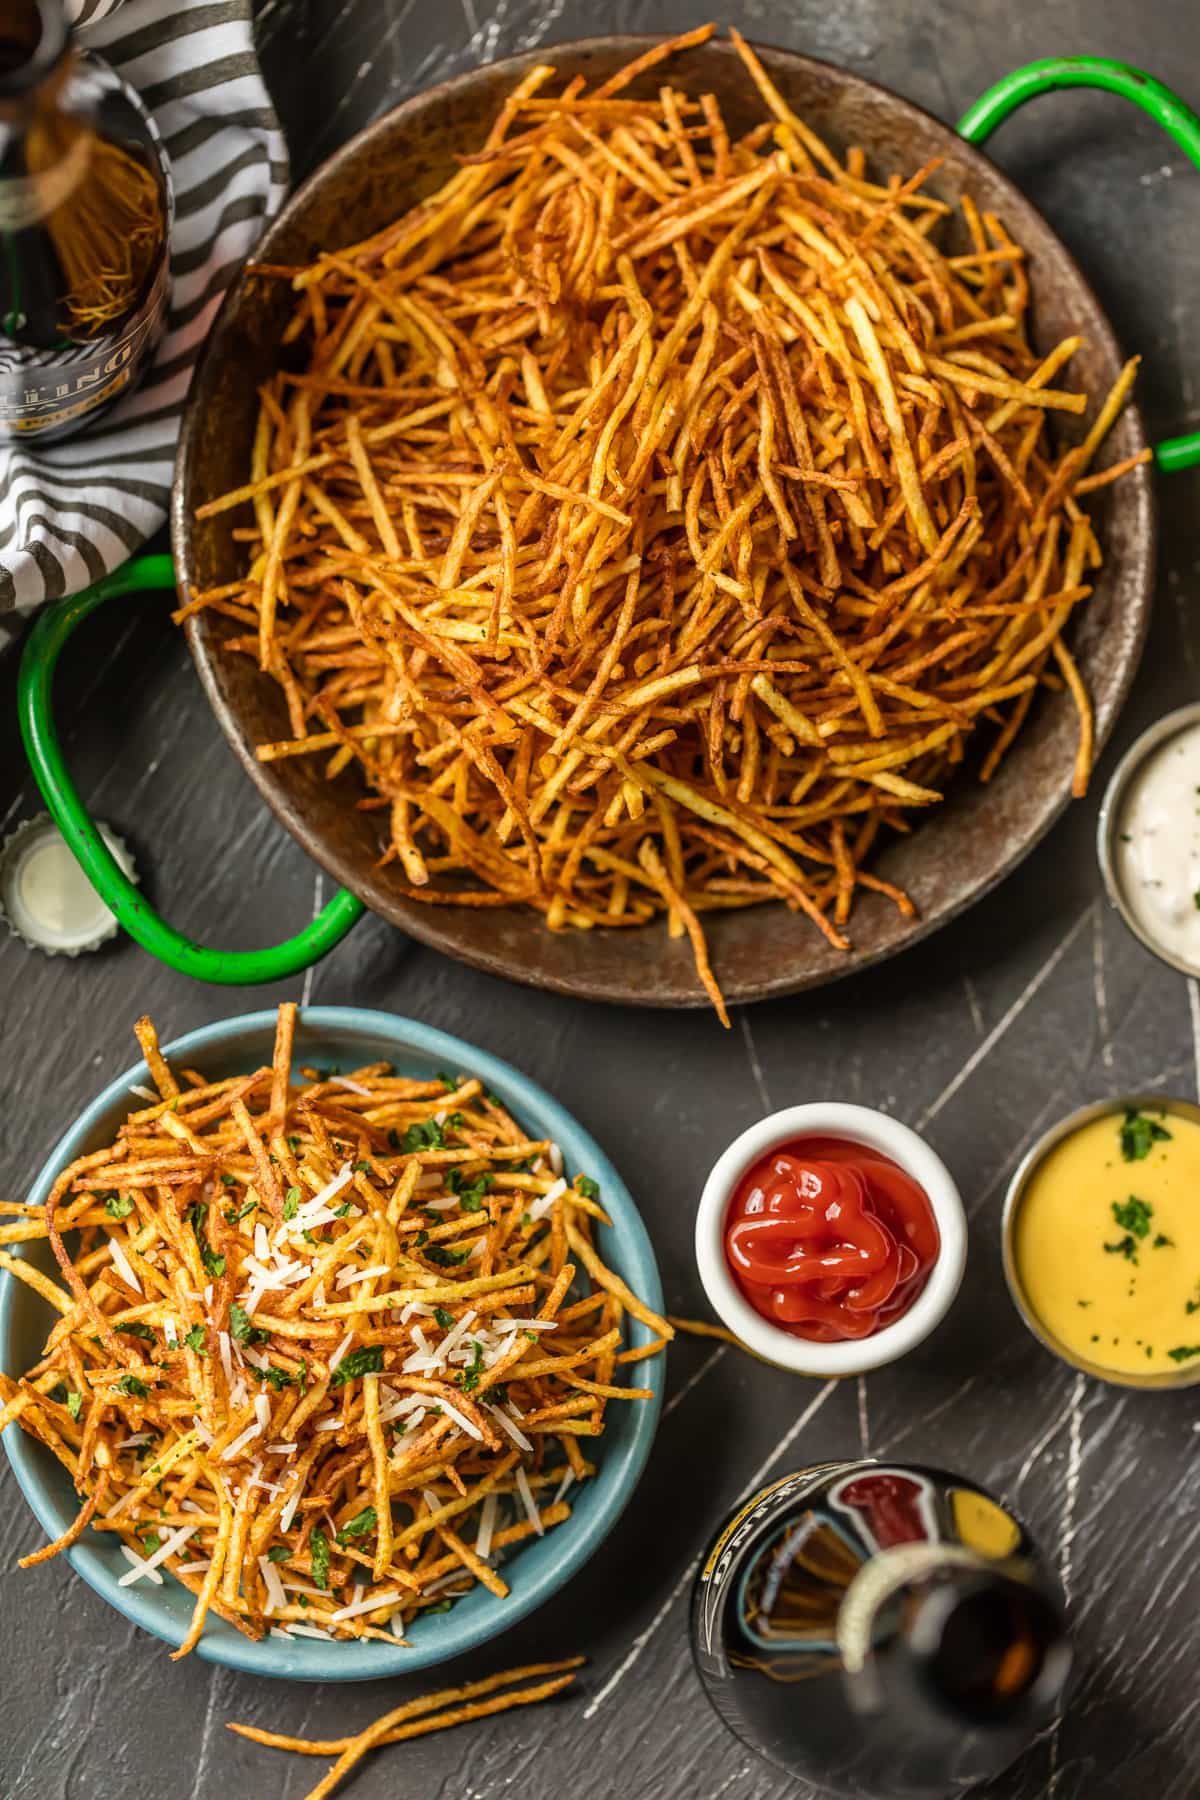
point(231, 968)
point(1051, 75)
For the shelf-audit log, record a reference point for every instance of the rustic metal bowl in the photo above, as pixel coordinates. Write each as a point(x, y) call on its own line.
point(957, 854)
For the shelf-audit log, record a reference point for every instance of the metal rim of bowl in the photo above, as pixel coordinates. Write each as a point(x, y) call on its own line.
point(424, 923)
point(307, 1659)
point(1186, 1376)
point(1138, 754)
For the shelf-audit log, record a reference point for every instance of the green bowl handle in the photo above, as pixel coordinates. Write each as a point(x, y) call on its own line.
point(1049, 76)
point(231, 968)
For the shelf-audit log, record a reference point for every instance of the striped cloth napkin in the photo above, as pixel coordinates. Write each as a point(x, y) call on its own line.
point(70, 512)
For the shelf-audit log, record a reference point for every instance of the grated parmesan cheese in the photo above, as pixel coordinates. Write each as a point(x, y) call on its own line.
point(502, 1419)
point(527, 1500)
point(123, 1265)
point(276, 1598)
point(391, 1598)
point(149, 1565)
point(252, 1431)
point(487, 1527)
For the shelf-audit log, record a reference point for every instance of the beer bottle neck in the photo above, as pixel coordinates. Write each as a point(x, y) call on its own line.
point(948, 1632)
point(34, 37)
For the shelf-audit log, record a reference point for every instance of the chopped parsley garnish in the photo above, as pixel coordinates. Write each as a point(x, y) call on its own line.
point(235, 1214)
point(278, 1553)
point(214, 1265)
point(1192, 1306)
point(445, 1319)
point(422, 1237)
point(587, 1187)
point(318, 1549)
point(195, 1340)
point(293, 1144)
point(367, 1361)
point(339, 1212)
point(74, 1403)
point(229, 1180)
point(363, 1166)
point(1196, 899)
point(135, 1328)
point(469, 1379)
point(1138, 1134)
point(425, 1134)
point(447, 1081)
point(291, 1203)
point(361, 1525)
point(117, 1206)
point(446, 1258)
point(393, 1138)
point(151, 1542)
point(1184, 1352)
point(242, 1330)
point(1162, 1242)
point(1133, 1215)
point(1126, 1247)
point(470, 1193)
point(129, 1384)
point(441, 1607)
point(281, 1378)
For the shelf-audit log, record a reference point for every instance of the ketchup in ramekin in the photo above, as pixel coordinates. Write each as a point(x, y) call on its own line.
point(829, 1239)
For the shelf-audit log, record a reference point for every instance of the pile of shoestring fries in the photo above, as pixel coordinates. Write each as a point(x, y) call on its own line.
point(326, 1352)
point(652, 516)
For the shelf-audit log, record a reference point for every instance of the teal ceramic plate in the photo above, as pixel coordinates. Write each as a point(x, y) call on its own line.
point(351, 1037)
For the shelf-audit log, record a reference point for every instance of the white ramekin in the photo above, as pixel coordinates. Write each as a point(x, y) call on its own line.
point(861, 1125)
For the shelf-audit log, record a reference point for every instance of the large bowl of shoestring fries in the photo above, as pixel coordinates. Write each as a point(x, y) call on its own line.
point(664, 521)
point(331, 1346)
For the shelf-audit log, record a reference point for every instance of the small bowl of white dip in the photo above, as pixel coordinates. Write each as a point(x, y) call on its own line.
point(1148, 838)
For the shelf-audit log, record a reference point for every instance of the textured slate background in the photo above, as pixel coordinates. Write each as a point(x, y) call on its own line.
point(1035, 1003)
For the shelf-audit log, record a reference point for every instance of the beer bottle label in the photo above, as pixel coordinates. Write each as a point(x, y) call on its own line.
point(40, 390)
point(778, 1497)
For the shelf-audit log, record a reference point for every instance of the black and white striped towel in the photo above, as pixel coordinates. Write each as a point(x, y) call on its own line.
point(70, 512)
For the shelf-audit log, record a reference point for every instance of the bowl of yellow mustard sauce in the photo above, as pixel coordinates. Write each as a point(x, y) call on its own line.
point(1101, 1238)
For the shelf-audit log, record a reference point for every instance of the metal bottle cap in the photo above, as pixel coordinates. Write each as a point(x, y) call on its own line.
point(46, 898)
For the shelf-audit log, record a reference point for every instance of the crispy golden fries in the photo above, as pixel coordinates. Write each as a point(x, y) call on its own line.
point(653, 518)
point(325, 1352)
point(429, 1713)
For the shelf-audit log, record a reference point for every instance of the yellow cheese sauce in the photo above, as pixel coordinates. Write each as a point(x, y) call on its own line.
point(1106, 1242)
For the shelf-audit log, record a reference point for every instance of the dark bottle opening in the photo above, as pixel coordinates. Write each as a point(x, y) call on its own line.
point(33, 37)
point(993, 1650)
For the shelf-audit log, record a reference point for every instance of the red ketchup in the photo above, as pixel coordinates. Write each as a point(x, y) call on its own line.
point(830, 1239)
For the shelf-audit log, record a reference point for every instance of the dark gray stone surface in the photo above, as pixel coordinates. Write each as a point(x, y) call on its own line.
point(1035, 1003)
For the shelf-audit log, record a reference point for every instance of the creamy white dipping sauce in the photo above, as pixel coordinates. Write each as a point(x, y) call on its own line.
point(1157, 846)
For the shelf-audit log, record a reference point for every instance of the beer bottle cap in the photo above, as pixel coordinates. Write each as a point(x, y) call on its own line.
point(46, 898)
